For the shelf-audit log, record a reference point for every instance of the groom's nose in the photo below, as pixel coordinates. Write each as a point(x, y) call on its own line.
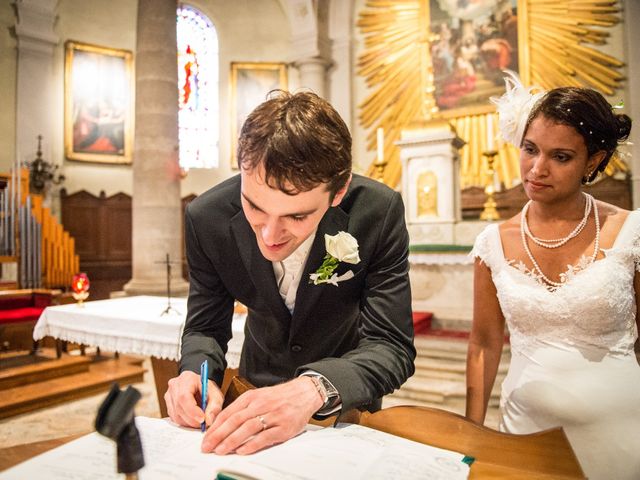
point(272, 231)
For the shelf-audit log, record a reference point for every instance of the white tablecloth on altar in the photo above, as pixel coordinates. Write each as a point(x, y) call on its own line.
point(133, 325)
point(440, 258)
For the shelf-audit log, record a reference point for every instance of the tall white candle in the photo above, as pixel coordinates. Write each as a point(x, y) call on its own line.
point(380, 144)
point(490, 135)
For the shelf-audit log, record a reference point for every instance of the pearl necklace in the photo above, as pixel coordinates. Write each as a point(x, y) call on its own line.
point(558, 242)
point(536, 267)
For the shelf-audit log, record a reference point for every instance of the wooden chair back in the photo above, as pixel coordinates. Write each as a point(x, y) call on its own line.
point(545, 454)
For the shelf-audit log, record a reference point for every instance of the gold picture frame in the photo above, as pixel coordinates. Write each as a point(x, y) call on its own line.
point(250, 83)
point(98, 103)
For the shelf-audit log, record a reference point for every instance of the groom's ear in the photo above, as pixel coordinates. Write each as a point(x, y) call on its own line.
point(341, 193)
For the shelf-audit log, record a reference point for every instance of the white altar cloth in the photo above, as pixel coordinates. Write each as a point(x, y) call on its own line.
point(451, 258)
point(129, 325)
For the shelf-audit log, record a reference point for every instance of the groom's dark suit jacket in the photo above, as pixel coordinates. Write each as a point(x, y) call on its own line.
point(358, 334)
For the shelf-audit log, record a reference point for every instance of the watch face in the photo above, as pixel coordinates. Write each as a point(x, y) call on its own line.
point(328, 387)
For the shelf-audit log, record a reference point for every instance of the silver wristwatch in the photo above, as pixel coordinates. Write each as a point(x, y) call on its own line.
point(326, 390)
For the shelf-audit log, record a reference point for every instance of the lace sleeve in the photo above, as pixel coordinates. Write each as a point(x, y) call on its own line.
point(483, 247)
point(635, 251)
point(634, 244)
point(627, 243)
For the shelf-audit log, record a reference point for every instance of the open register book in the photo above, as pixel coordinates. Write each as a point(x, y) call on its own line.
point(171, 452)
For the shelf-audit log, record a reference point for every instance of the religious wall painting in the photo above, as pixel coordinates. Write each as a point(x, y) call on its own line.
point(251, 83)
point(409, 58)
point(473, 42)
point(98, 100)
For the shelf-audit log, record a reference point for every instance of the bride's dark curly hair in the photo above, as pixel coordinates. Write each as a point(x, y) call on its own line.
point(590, 115)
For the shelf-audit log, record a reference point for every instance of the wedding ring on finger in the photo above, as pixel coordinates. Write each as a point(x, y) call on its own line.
point(262, 421)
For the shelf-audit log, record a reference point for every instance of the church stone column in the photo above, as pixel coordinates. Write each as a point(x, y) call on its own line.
point(157, 226)
point(36, 93)
point(313, 74)
point(340, 80)
point(310, 43)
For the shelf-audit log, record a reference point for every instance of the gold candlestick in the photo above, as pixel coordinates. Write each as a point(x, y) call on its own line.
point(490, 212)
point(80, 297)
point(380, 162)
point(379, 166)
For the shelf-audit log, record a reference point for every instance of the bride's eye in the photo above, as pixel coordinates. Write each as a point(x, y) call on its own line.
point(562, 157)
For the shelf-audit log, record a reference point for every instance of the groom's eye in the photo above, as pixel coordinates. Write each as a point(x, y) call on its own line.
point(298, 218)
point(253, 207)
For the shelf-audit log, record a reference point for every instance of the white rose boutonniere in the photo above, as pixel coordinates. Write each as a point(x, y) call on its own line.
point(341, 247)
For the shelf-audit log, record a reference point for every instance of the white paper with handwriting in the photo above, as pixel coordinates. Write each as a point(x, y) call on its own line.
point(172, 452)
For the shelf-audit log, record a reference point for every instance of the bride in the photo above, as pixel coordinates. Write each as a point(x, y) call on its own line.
point(563, 275)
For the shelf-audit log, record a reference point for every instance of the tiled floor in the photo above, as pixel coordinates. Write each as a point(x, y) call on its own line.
point(73, 417)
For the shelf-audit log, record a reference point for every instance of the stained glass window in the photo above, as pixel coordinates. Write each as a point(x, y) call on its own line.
point(198, 117)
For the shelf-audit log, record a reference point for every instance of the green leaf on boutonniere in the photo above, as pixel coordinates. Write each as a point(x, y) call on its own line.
point(325, 271)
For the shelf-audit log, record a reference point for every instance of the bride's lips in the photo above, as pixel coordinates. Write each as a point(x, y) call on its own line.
point(537, 185)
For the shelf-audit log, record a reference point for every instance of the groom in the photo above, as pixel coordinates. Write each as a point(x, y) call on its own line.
point(318, 340)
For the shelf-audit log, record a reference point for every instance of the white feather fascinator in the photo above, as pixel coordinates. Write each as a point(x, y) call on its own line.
point(514, 107)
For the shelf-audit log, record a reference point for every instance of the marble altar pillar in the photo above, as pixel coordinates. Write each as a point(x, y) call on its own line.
point(441, 271)
point(430, 182)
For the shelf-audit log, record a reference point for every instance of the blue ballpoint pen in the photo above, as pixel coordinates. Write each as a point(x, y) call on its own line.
point(204, 378)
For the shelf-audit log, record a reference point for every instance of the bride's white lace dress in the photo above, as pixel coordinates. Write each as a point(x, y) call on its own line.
point(572, 358)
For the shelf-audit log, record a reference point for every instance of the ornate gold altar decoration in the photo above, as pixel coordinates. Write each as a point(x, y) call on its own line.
point(427, 194)
point(490, 210)
point(558, 45)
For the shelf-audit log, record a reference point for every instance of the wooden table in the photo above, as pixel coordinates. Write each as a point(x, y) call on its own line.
point(498, 456)
point(543, 456)
point(10, 456)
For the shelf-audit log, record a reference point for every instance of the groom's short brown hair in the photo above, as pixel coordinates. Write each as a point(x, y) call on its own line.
point(300, 140)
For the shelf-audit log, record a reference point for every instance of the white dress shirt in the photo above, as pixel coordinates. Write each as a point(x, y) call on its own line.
point(288, 273)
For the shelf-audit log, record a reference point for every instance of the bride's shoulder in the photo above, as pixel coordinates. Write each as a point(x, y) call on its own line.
point(618, 226)
point(610, 210)
point(510, 227)
point(615, 217)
